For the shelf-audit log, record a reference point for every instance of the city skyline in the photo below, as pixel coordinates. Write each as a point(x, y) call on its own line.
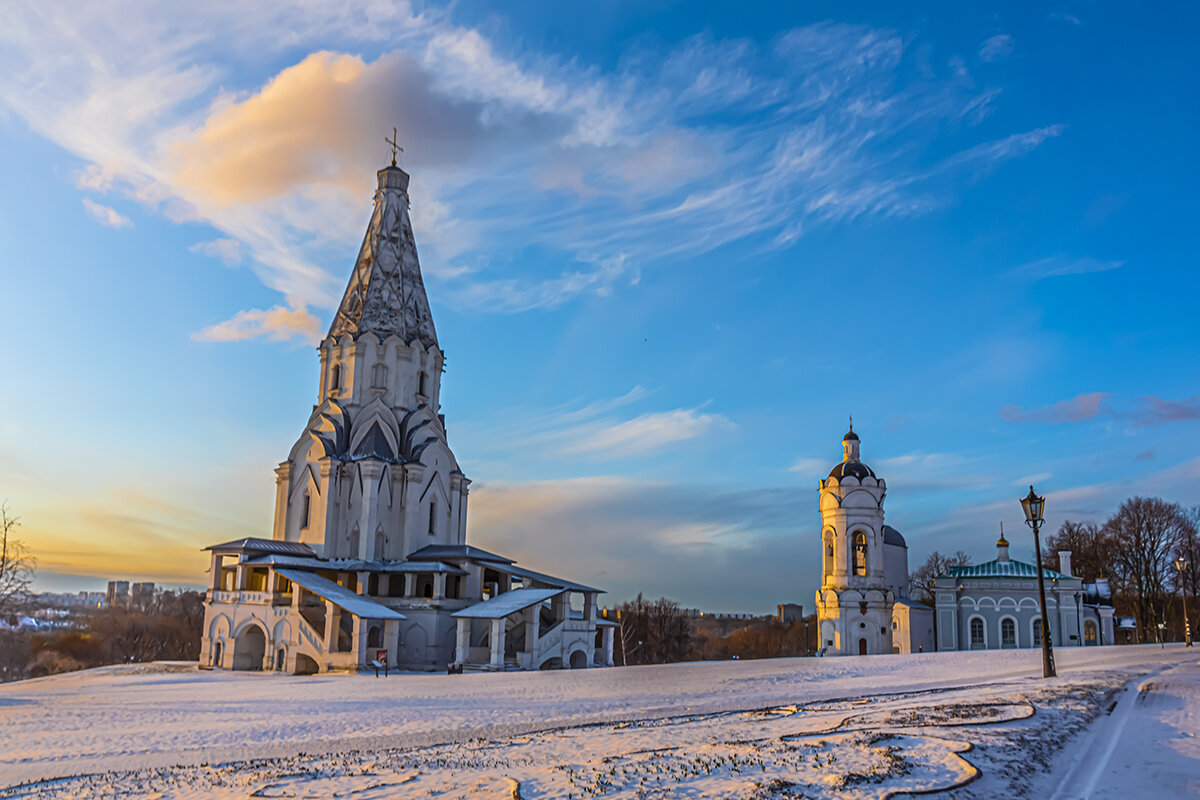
point(668, 254)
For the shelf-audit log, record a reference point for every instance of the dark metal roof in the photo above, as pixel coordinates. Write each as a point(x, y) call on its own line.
point(438, 552)
point(892, 536)
point(850, 436)
point(847, 469)
point(265, 546)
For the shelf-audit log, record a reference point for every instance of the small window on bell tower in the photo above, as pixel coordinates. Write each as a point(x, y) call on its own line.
point(335, 380)
point(432, 517)
point(305, 509)
point(860, 554)
point(421, 386)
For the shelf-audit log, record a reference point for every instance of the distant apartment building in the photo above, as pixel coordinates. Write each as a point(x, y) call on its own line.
point(788, 613)
point(141, 593)
point(117, 594)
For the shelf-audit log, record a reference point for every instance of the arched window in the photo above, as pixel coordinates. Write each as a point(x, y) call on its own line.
point(432, 517)
point(977, 640)
point(353, 544)
point(1037, 632)
point(421, 385)
point(1008, 632)
point(380, 544)
point(335, 381)
point(1089, 632)
point(374, 636)
point(860, 554)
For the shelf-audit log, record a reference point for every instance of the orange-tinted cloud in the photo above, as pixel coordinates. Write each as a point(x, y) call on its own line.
point(321, 122)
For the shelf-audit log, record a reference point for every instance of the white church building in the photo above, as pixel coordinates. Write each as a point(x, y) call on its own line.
point(368, 559)
point(863, 607)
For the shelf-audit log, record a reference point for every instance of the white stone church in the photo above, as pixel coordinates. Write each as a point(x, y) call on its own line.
point(368, 560)
point(863, 607)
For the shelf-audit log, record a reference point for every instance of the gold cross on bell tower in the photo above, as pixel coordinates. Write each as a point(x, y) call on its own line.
point(395, 147)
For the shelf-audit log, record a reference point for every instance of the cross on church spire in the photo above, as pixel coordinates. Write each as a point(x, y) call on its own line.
point(395, 147)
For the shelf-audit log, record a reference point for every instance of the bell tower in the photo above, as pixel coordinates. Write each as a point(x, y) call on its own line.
point(854, 604)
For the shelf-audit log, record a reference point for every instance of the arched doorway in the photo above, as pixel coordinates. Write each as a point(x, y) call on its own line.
point(374, 636)
point(280, 659)
point(862, 647)
point(216, 662)
point(305, 665)
point(578, 660)
point(1089, 632)
point(249, 649)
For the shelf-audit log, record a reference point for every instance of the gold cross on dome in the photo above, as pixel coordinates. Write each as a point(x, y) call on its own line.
point(395, 146)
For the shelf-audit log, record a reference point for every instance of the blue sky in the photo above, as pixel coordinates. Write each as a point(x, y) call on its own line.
point(669, 250)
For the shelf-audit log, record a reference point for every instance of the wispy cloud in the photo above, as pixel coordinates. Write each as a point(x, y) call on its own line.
point(996, 48)
point(1056, 266)
point(672, 154)
point(1142, 412)
point(107, 215)
point(229, 251)
point(642, 435)
point(276, 323)
point(603, 430)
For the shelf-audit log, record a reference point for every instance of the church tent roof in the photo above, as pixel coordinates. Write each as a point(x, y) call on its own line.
point(340, 596)
point(1003, 569)
point(502, 605)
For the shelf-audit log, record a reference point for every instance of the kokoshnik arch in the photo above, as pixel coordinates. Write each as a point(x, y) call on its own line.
point(368, 559)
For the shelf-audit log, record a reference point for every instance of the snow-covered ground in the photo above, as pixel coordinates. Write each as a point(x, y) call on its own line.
point(864, 727)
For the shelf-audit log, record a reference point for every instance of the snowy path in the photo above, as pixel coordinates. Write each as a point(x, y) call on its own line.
point(125, 718)
point(1150, 741)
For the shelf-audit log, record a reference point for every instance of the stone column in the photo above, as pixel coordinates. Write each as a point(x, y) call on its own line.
point(462, 648)
point(391, 640)
point(497, 642)
point(214, 577)
point(243, 572)
point(332, 624)
point(363, 582)
point(589, 606)
point(359, 642)
point(408, 584)
point(385, 584)
point(608, 645)
point(439, 586)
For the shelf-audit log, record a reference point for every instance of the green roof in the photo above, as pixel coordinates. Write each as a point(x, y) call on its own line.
point(1003, 569)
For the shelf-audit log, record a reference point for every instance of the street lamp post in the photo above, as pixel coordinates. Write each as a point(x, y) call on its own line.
point(1034, 506)
point(1181, 565)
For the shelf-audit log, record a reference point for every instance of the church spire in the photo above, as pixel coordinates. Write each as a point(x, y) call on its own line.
point(386, 295)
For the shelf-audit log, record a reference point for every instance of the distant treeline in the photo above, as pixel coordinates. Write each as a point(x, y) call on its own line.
point(165, 626)
point(660, 632)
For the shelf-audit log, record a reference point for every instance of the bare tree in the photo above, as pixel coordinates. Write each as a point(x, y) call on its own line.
point(1092, 549)
point(16, 563)
point(922, 578)
point(1147, 533)
point(655, 632)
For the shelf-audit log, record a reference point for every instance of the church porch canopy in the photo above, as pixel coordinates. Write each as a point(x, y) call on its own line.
point(508, 603)
point(340, 596)
point(354, 565)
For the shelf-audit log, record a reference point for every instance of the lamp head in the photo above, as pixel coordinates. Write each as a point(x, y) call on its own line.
point(1033, 506)
point(1181, 564)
